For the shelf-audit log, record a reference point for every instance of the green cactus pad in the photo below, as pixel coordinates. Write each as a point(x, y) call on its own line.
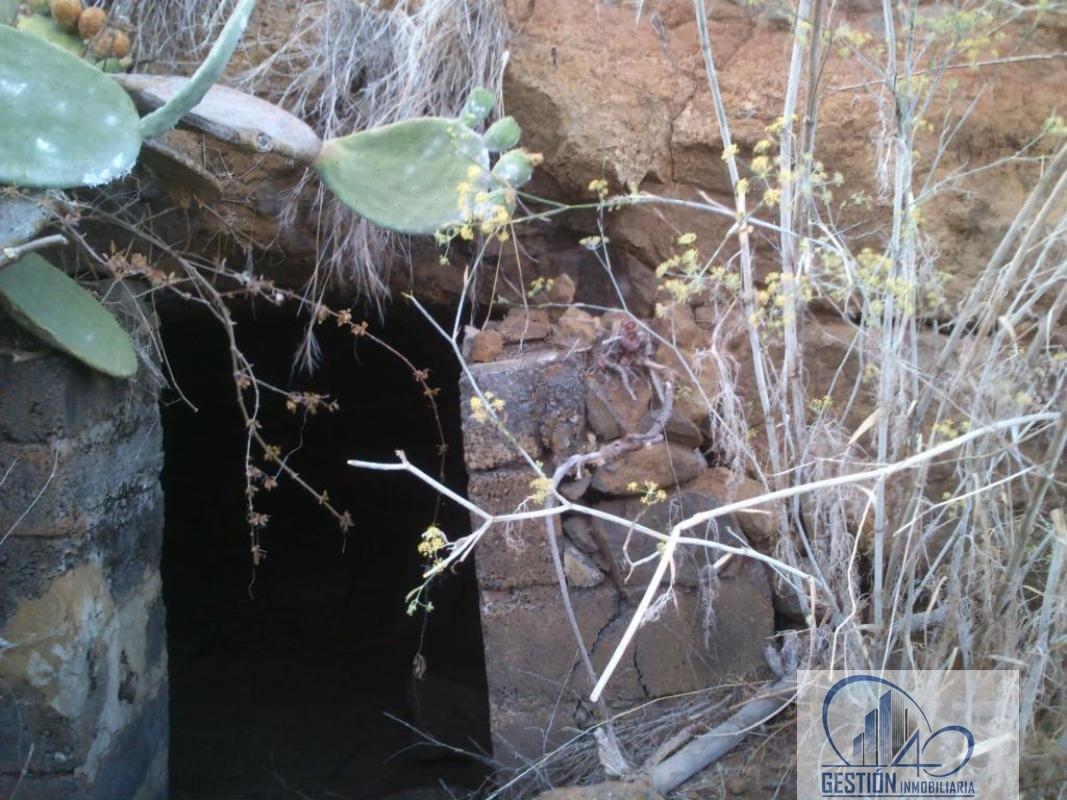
point(502, 135)
point(9, 9)
point(51, 31)
point(479, 104)
point(514, 168)
point(65, 123)
point(165, 118)
point(406, 176)
point(51, 305)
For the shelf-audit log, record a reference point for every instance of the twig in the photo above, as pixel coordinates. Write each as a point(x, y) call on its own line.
point(881, 473)
point(9, 255)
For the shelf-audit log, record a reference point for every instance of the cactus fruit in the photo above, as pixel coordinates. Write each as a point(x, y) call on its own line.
point(98, 53)
point(54, 307)
point(502, 135)
point(68, 125)
point(66, 13)
point(91, 22)
point(110, 43)
point(120, 45)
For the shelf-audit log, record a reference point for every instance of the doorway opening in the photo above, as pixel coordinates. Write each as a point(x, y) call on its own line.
point(296, 679)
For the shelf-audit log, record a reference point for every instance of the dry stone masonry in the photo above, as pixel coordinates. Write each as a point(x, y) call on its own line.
point(557, 399)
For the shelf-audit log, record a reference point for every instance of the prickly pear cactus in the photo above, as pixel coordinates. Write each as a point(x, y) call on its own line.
point(49, 30)
point(404, 176)
point(163, 119)
point(478, 106)
point(65, 124)
point(9, 9)
point(51, 305)
point(428, 174)
point(502, 135)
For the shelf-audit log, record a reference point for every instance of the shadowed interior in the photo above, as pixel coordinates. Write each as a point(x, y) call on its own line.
point(284, 680)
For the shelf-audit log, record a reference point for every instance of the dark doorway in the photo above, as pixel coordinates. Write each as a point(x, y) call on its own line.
point(281, 685)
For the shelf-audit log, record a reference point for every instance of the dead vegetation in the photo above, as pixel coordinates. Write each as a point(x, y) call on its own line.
point(918, 496)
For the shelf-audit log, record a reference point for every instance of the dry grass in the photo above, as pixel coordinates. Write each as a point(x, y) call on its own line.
point(955, 563)
point(344, 66)
point(956, 559)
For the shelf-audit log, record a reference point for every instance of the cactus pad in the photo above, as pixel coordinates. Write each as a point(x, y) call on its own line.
point(514, 168)
point(163, 119)
point(51, 31)
point(503, 135)
point(478, 106)
point(405, 176)
point(9, 9)
point(66, 124)
point(51, 305)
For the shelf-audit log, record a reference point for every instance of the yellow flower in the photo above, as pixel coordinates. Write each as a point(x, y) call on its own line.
point(478, 412)
point(599, 187)
point(541, 488)
point(433, 541)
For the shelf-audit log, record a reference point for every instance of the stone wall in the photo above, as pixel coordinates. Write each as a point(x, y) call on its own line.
point(83, 675)
point(556, 400)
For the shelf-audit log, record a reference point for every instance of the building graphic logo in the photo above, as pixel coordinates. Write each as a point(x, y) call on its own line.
point(909, 734)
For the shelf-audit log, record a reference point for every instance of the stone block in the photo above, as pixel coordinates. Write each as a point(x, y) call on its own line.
point(486, 346)
point(77, 482)
point(612, 409)
point(530, 650)
point(58, 398)
point(521, 325)
point(509, 554)
point(663, 464)
point(561, 398)
point(134, 766)
point(543, 407)
point(123, 545)
point(680, 429)
point(83, 677)
point(79, 670)
point(624, 547)
point(760, 525)
point(514, 382)
point(690, 645)
point(525, 729)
